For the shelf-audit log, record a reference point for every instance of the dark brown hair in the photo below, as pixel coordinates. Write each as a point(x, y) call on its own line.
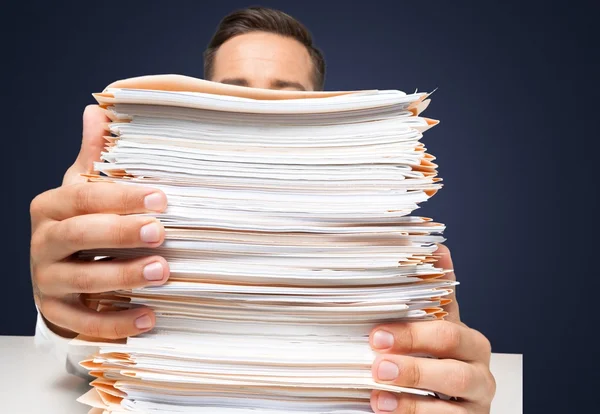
point(262, 19)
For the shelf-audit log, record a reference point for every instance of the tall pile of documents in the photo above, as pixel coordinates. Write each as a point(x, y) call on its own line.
point(288, 236)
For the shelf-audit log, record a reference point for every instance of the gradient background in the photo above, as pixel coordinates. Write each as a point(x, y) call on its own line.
point(515, 138)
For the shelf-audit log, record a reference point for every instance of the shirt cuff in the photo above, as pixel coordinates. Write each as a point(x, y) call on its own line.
point(67, 355)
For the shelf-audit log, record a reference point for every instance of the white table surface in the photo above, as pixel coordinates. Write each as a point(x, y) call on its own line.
point(34, 382)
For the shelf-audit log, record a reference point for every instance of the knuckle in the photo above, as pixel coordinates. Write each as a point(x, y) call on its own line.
point(407, 405)
point(413, 374)
point(117, 331)
point(36, 205)
point(72, 233)
point(447, 336)
point(40, 277)
point(36, 246)
point(81, 280)
point(486, 345)
point(82, 197)
point(490, 385)
point(92, 327)
point(129, 201)
point(406, 340)
point(127, 276)
point(460, 380)
point(120, 232)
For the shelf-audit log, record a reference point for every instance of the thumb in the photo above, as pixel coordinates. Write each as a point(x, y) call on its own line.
point(92, 144)
point(445, 262)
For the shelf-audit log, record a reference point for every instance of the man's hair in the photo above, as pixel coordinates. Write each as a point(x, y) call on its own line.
point(262, 19)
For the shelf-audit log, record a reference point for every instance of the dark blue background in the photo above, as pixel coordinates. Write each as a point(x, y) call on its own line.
point(515, 142)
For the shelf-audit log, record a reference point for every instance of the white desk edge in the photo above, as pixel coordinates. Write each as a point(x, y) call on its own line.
point(34, 382)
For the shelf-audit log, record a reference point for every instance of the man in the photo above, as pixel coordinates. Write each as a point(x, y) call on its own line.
point(259, 48)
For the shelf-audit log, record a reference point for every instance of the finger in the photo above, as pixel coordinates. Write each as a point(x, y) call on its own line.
point(63, 278)
point(445, 262)
point(101, 231)
point(76, 317)
point(441, 339)
point(387, 402)
point(89, 198)
point(447, 376)
point(92, 144)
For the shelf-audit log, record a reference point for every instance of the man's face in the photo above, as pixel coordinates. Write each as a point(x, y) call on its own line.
point(264, 60)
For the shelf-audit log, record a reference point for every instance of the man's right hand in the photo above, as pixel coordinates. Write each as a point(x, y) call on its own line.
point(79, 216)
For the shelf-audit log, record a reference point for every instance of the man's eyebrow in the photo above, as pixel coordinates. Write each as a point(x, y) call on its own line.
point(235, 81)
point(282, 84)
point(275, 84)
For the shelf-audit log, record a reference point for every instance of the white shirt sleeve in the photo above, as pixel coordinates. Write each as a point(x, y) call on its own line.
point(67, 355)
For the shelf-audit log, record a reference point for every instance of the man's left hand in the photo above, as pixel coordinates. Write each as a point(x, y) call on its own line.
point(461, 369)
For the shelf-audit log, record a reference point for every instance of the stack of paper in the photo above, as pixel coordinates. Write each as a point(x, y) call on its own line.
point(288, 237)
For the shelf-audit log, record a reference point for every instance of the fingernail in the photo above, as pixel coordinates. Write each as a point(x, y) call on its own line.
point(155, 202)
point(153, 271)
point(383, 340)
point(387, 402)
point(387, 371)
point(150, 233)
point(143, 322)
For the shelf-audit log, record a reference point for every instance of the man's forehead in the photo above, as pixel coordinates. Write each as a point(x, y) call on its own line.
point(264, 60)
point(265, 45)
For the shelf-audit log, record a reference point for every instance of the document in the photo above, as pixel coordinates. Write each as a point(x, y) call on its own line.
point(290, 235)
